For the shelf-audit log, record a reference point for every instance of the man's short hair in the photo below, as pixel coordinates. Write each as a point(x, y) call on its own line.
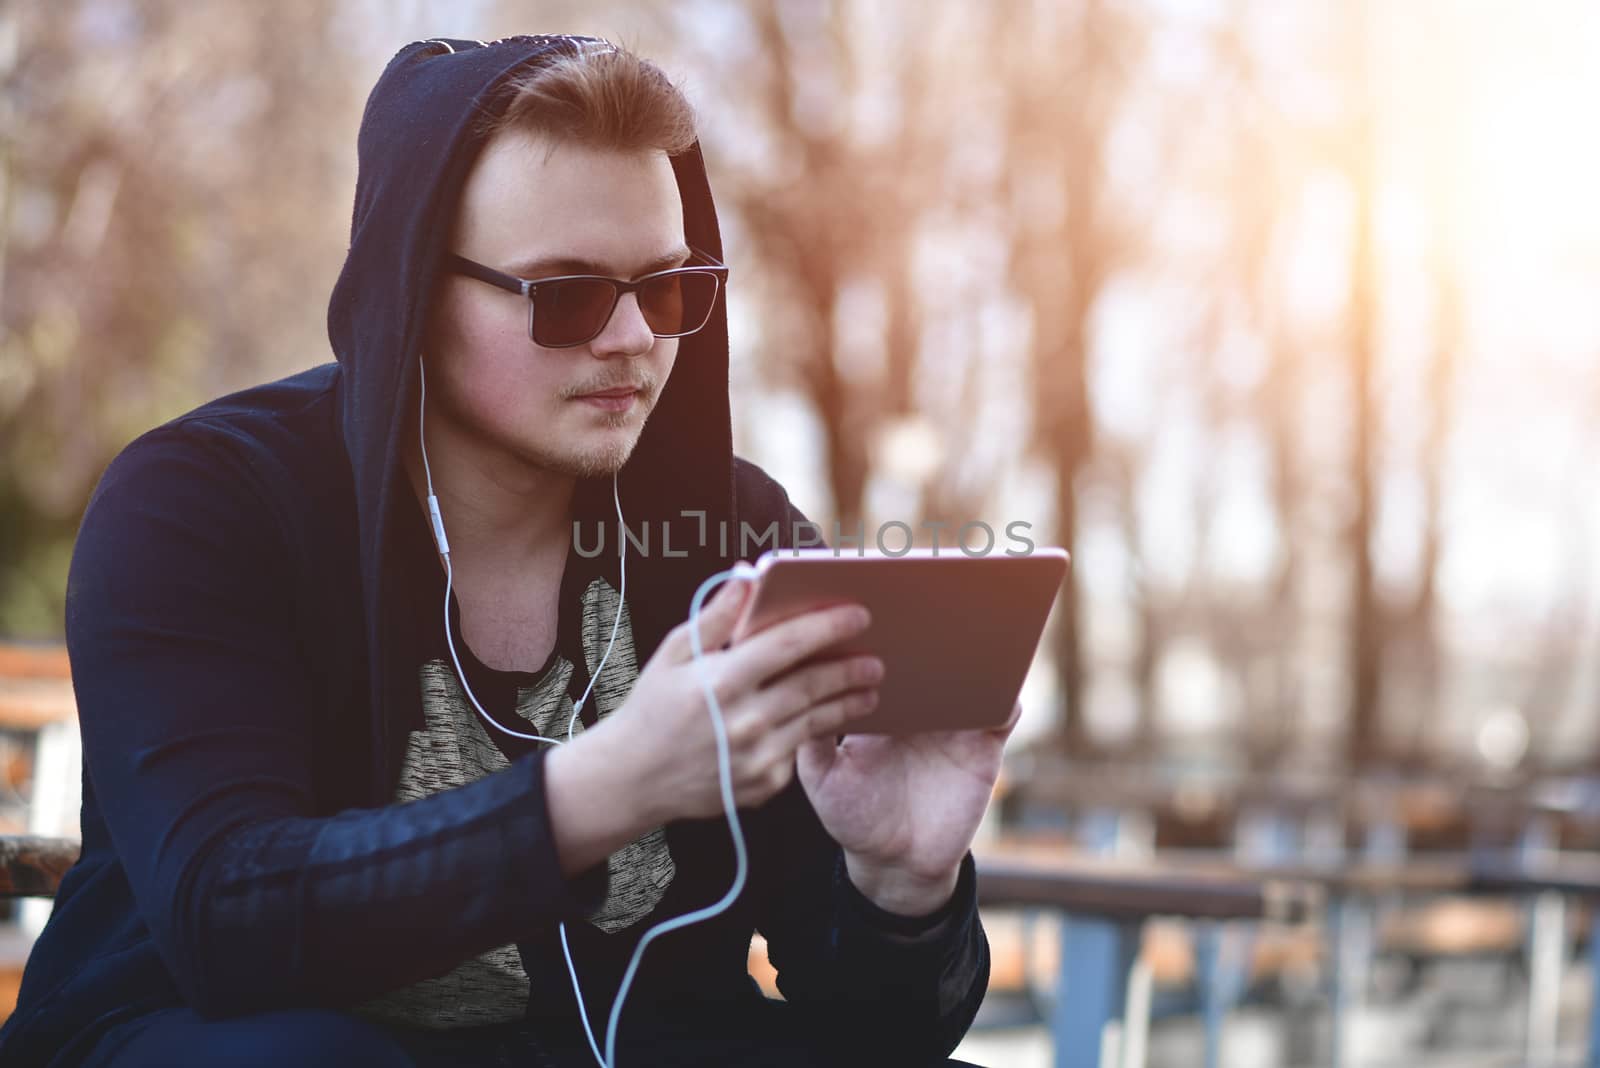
point(602, 97)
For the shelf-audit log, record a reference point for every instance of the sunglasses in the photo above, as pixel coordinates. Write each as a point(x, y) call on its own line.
point(572, 309)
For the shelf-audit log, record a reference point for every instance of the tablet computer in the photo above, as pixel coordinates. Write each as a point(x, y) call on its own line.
point(956, 633)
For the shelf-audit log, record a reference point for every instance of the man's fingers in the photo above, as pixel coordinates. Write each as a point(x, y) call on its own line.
point(783, 645)
point(717, 619)
point(809, 687)
point(821, 723)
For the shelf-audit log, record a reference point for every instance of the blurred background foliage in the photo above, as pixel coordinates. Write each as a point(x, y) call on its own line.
point(1282, 316)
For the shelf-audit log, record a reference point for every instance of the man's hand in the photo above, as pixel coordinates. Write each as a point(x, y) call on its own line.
point(905, 808)
point(661, 738)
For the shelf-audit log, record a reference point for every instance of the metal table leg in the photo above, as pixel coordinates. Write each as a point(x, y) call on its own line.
point(1350, 941)
point(1547, 938)
point(1097, 958)
point(1208, 969)
point(1594, 986)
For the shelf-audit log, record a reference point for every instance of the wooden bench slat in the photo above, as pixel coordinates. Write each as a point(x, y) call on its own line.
point(32, 866)
point(1093, 887)
point(27, 661)
point(29, 704)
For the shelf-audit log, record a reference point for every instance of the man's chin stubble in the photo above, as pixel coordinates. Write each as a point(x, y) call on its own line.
point(599, 462)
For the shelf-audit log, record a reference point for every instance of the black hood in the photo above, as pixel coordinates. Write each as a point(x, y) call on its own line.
point(417, 145)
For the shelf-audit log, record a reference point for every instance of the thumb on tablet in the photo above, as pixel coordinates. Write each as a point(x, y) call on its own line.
point(1004, 730)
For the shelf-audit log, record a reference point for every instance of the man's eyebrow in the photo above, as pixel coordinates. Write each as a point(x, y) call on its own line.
point(549, 266)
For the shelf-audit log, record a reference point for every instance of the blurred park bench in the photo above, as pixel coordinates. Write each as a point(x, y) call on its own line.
point(1414, 869)
point(39, 784)
point(1107, 910)
point(40, 753)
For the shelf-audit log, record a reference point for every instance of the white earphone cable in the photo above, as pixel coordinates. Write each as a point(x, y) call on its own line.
point(724, 767)
point(725, 778)
point(449, 570)
point(622, 599)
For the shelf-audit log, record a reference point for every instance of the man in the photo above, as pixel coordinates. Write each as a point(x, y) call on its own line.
point(372, 774)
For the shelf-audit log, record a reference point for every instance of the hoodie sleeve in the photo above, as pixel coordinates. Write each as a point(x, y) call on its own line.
point(198, 710)
point(895, 989)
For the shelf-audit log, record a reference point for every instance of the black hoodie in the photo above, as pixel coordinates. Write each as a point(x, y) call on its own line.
point(244, 654)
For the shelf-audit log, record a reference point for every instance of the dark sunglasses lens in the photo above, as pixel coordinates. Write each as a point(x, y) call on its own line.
point(678, 303)
point(570, 313)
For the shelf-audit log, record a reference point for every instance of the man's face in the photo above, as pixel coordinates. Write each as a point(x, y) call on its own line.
point(534, 209)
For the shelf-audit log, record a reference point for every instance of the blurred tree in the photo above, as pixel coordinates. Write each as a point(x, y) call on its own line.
point(1065, 73)
point(828, 206)
point(158, 252)
point(1364, 738)
point(1414, 623)
point(1262, 168)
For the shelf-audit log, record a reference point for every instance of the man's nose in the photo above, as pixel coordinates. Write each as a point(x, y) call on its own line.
point(626, 333)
